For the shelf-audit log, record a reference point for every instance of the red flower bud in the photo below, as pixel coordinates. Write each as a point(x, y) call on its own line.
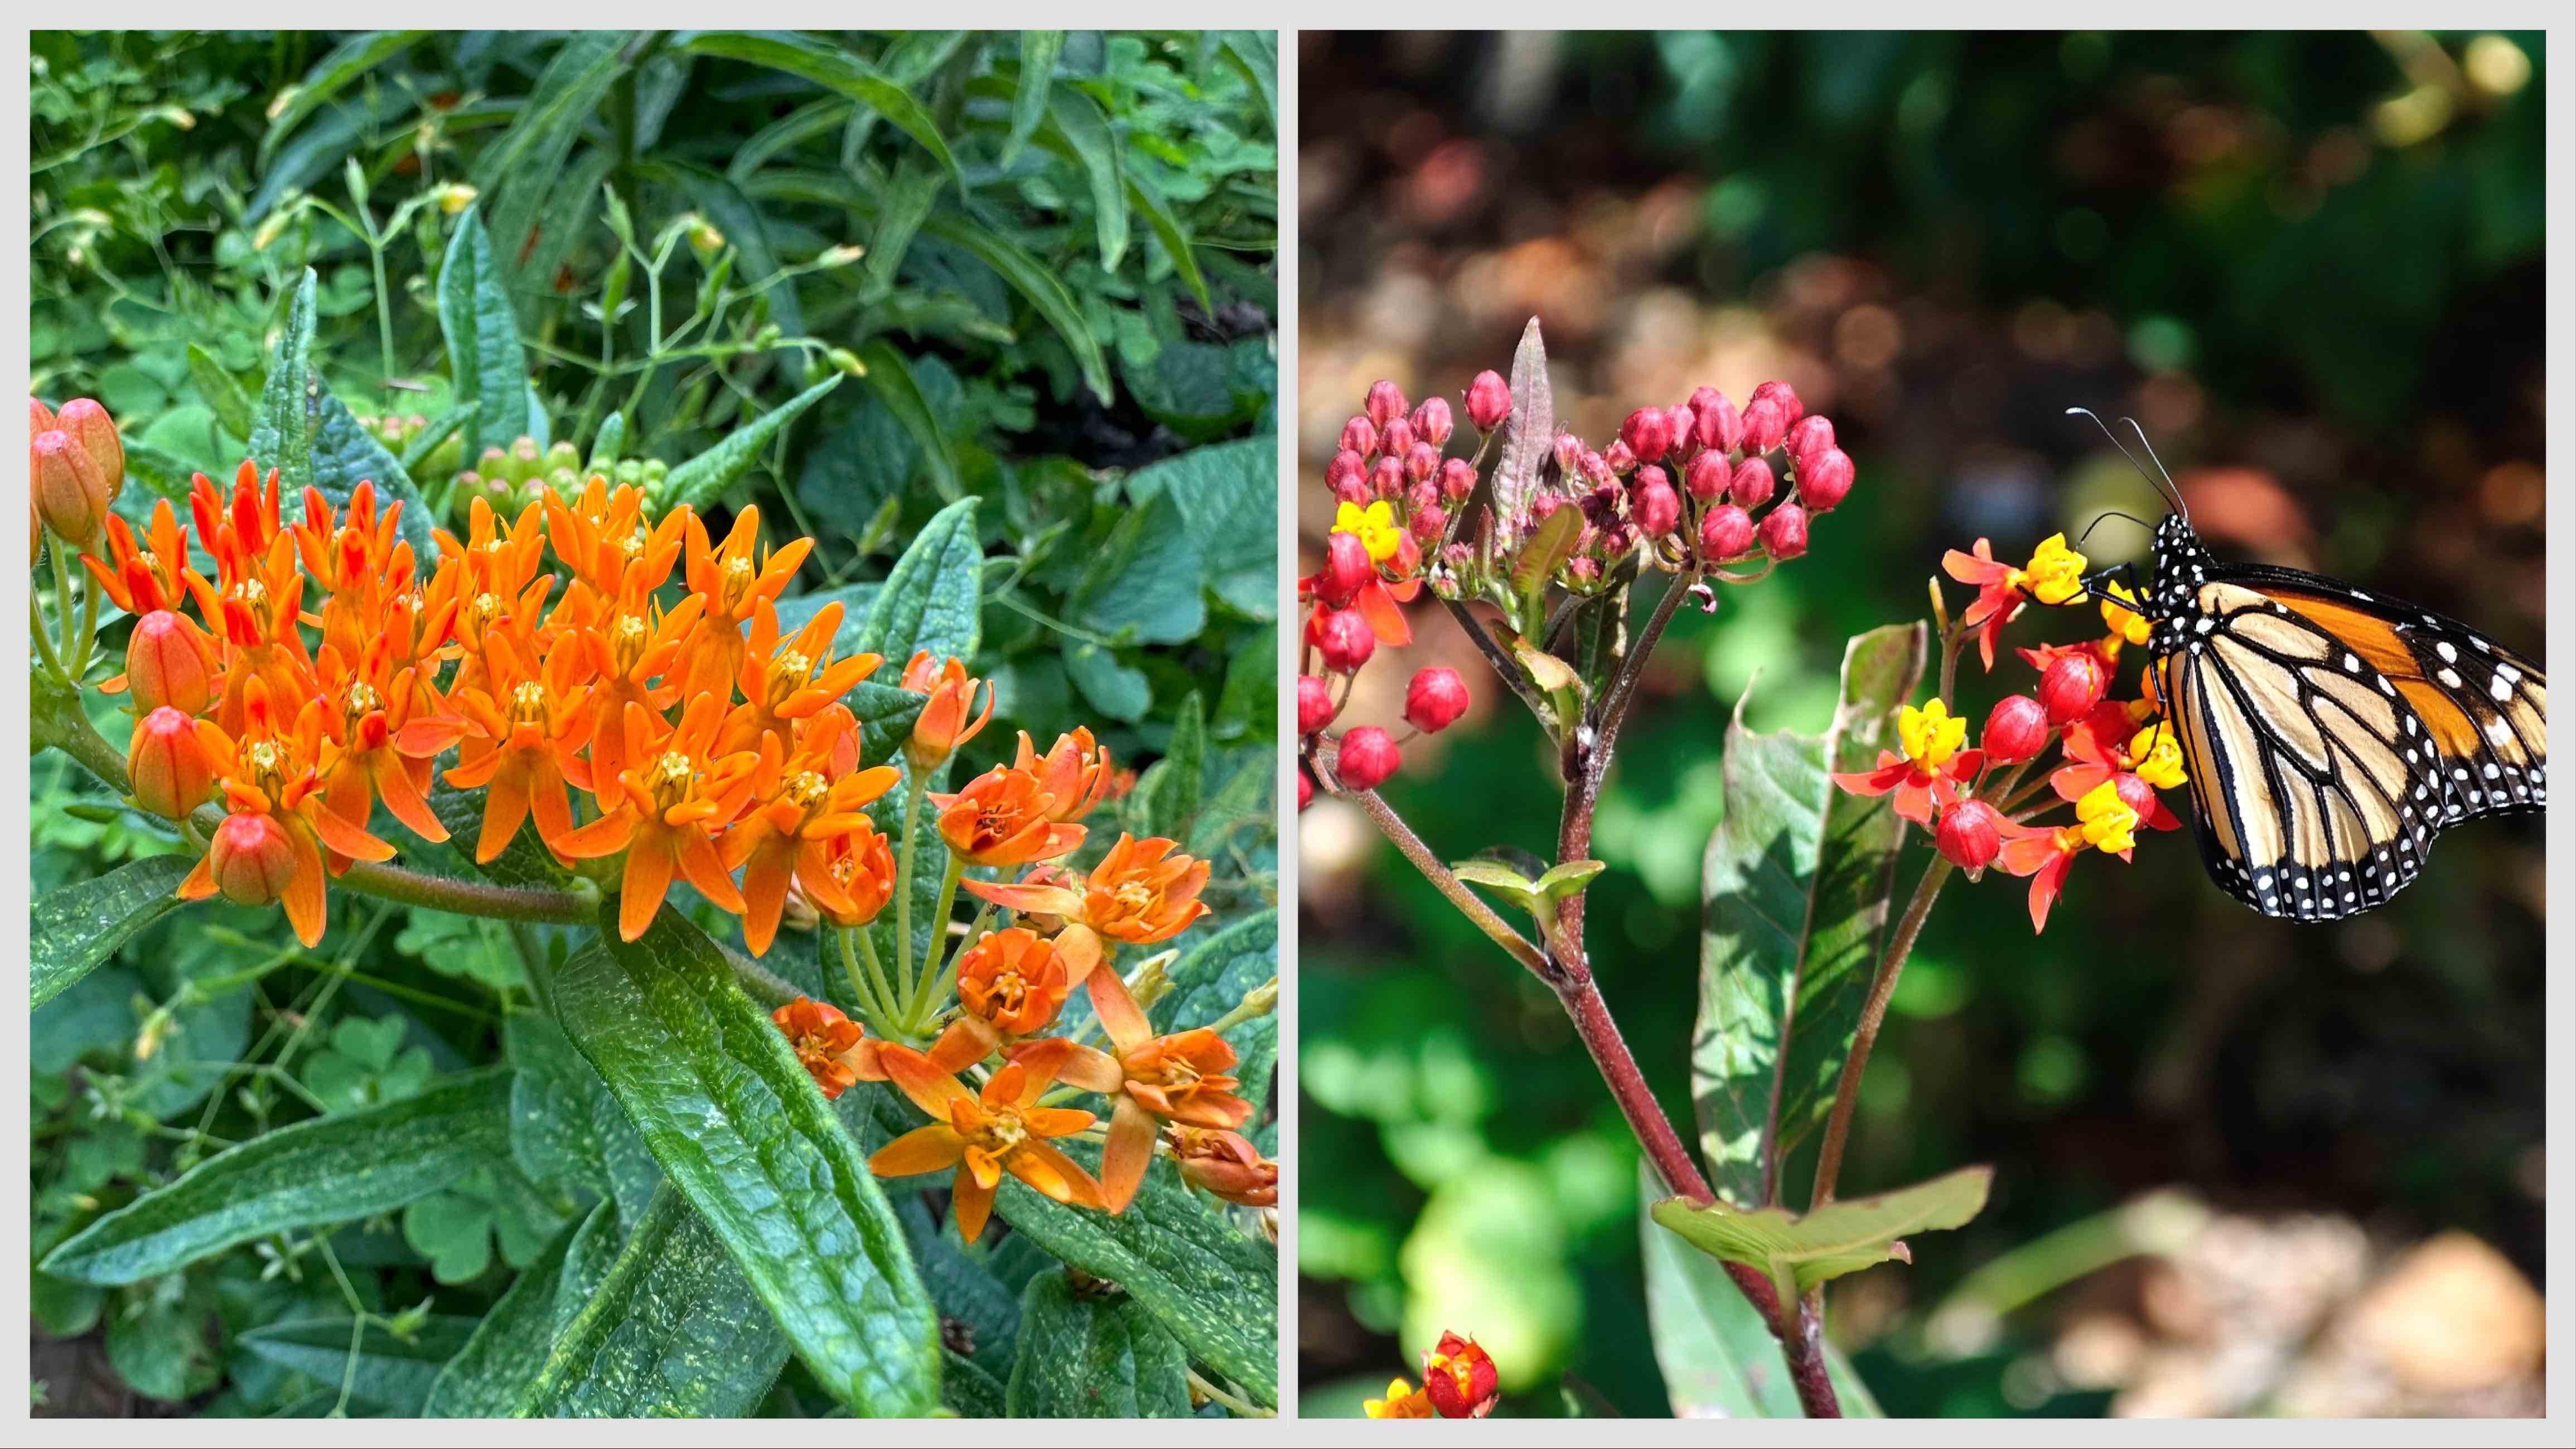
point(1368, 756)
point(2136, 793)
point(1680, 421)
point(1720, 426)
point(1305, 790)
point(1385, 402)
point(1824, 479)
point(1569, 454)
point(1545, 505)
point(1427, 522)
point(2072, 685)
point(1421, 461)
point(1359, 435)
point(71, 494)
point(1783, 397)
point(1457, 479)
point(1648, 434)
point(1434, 700)
point(1784, 531)
point(1611, 462)
point(251, 859)
point(1707, 476)
point(1346, 567)
point(1764, 425)
point(1460, 1379)
point(1386, 480)
point(1970, 835)
point(1654, 506)
point(1347, 476)
point(1314, 704)
point(1396, 439)
point(1489, 400)
point(1810, 434)
point(171, 771)
point(1346, 641)
point(1727, 532)
point(1751, 483)
point(1432, 422)
point(2016, 729)
point(167, 662)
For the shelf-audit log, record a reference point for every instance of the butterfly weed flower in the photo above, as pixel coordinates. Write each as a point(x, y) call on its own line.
point(1180, 1077)
point(948, 719)
point(1224, 1164)
point(2103, 822)
point(1003, 1127)
point(834, 1050)
point(1460, 1378)
point(1932, 771)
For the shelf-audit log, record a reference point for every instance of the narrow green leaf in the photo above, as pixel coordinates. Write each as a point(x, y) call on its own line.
point(566, 1125)
point(531, 207)
point(673, 1330)
point(969, 1389)
point(1548, 548)
point(902, 205)
point(1794, 902)
point(74, 928)
point(484, 358)
point(1172, 233)
point(1799, 1251)
point(387, 1373)
point(1035, 281)
point(1718, 1356)
point(1095, 1355)
point(1167, 798)
point(1564, 880)
point(494, 1370)
point(890, 375)
point(345, 455)
point(326, 1170)
point(1255, 53)
point(231, 402)
point(834, 69)
point(1092, 145)
point(440, 429)
point(347, 61)
point(745, 228)
point(1216, 1289)
point(699, 481)
point(1038, 52)
point(282, 436)
point(934, 598)
point(741, 1131)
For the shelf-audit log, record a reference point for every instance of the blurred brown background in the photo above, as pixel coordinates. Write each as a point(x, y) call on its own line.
point(2243, 1166)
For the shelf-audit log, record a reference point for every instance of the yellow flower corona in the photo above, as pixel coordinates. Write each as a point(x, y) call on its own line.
point(2056, 572)
point(2158, 759)
point(1374, 526)
point(1930, 735)
point(2105, 820)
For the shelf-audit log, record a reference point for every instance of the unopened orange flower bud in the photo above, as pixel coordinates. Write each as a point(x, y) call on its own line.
point(251, 859)
point(1225, 1164)
point(94, 433)
point(168, 662)
point(71, 494)
point(172, 773)
point(948, 720)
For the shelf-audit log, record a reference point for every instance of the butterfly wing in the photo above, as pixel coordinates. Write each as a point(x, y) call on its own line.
point(2329, 735)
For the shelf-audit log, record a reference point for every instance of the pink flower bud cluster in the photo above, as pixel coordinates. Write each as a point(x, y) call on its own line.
point(1390, 455)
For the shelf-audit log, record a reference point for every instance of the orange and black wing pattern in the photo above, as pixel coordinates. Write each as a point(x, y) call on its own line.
point(2331, 734)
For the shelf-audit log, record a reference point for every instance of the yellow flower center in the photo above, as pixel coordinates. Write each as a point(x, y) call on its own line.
point(2155, 758)
point(528, 705)
point(806, 789)
point(2105, 821)
point(1001, 1131)
point(1374, 526)
point(485, 608)
point(1930, 735)
point(360, 698)
point(670, 780)
point(2056, 572)
point(733, 581)
point(267, 762)
point(626, 641)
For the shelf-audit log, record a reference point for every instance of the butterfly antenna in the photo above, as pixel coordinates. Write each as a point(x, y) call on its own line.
point(2172, 490)
point(2164, 488)
point(2111, 513)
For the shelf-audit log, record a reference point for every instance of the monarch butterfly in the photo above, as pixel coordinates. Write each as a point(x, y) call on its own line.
point(2329, 734)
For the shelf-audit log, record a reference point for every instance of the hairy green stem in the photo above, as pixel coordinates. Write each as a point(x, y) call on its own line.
point(914, 784)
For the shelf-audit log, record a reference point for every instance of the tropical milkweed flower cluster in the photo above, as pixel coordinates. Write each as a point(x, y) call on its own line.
point(1700, 488)
point(1459, 1381)
point(2113, 754)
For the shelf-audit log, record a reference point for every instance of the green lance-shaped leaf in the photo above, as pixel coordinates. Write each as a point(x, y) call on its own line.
point(1798, 1251)
point(835, 69)
point(1538, 897)
point(1166, 799)
point(1216, 1289)
point(934, 598)
point(346, 455)
point(1095, 1355)
point(1172, 233)
point(282, 437)
point(700, 480)
point(484, 357)
point(1719, 1358)
point(493, 1372)
point(389, 1373)
point(327, 1170)
point(1255, 54)
point(348, 61)
point(565, 1124)
point(222, 392)
point(74, 928)
point(673, 1330)
point(890, 376)
point(742, 1133)
point(1794, 900)
point(1035, 281)
point(1038, 52)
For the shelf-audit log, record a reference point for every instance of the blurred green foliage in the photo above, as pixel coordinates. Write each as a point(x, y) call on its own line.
point(2339, 277)
point(1056, 297)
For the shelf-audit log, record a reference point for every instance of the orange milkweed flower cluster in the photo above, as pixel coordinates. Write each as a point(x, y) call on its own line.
point(320, 670)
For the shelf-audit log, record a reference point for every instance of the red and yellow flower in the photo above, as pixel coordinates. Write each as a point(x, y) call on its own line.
point(2103, 821)
point(1933, 772)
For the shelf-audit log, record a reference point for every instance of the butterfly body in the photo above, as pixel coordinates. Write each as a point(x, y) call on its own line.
point(2330, 734)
